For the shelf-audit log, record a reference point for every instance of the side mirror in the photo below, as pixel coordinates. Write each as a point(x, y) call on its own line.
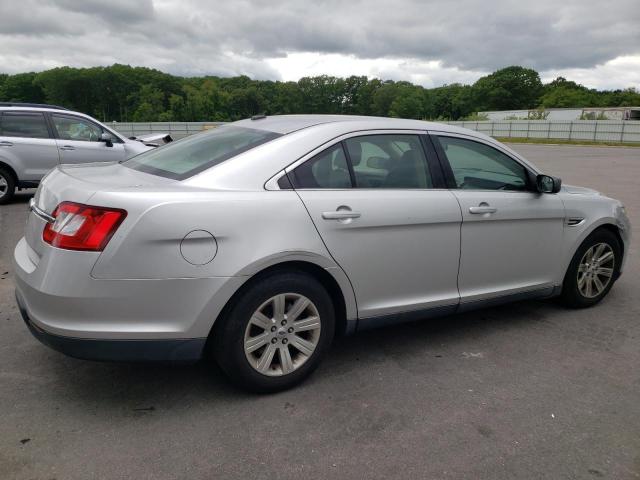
point(106, 138)
point(548, 184)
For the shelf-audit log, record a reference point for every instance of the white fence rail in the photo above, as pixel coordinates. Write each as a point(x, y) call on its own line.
point(176, 129)
point(589, 130)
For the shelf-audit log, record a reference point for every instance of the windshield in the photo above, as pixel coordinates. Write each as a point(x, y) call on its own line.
point(191, 155)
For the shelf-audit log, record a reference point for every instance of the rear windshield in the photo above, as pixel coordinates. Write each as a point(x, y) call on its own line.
point(191, 155)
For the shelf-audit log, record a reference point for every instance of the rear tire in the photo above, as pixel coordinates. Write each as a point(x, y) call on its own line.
point(7, 186)
point(275, 333)
point(593, 270)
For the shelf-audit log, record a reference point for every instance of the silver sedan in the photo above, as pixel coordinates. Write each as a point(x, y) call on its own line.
point(255, 244)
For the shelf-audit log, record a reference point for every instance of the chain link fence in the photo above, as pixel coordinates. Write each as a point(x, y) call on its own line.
point(580, 130)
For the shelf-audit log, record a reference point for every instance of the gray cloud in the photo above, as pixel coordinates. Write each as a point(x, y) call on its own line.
point(119, 12)
point(233, 37)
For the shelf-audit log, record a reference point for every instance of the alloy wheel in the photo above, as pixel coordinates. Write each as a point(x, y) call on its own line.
point(4, 186)
point(595, 270)
point(282, 334)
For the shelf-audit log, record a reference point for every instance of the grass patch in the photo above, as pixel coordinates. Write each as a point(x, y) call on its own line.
point(560, 141)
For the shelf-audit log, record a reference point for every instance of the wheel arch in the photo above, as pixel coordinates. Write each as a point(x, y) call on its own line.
point(615, 229)
point(10, 169)
point(332, 279)
point(608, 224)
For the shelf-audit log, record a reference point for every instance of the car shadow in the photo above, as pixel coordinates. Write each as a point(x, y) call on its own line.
point(22, 196)
point(149, 387)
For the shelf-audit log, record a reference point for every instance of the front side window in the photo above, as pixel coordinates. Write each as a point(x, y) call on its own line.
point(74, 128)
point(388, 161)
point(26, 125)
point(478, 166)
point(194, 154)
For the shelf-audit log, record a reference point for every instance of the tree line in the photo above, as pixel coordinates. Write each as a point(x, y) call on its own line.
point(138, 94)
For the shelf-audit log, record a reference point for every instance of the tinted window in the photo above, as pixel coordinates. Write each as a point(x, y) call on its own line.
point(388, 161)
point(481, 167)
point(191, 155)
point(74, 128)
point(29, 125)
point(326, 170)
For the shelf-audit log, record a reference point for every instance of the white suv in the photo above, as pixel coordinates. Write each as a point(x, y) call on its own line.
point(34, 138)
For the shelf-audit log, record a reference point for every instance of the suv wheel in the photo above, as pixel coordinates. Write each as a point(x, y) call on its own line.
point(7, 186)
point(593, 270)
point(275, 333)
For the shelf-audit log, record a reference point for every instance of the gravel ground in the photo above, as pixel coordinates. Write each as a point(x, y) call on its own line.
point(528, 390)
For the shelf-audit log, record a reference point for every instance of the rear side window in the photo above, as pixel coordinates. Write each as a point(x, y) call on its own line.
point(328, 169)
point(391, 161)
point(192, 155)
point(26, 125)
point(388, 161)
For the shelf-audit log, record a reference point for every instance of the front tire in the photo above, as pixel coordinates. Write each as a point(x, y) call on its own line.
point(7, 186)
point(593, 270)
point(275, 332)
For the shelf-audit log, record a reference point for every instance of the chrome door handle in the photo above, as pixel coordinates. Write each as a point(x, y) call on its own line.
point(340, 215)
point(482, 209)
point(4, 143)
point(67, 147)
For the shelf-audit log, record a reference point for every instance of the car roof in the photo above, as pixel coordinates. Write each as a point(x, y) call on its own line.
point(38, 106)
point(285, 124)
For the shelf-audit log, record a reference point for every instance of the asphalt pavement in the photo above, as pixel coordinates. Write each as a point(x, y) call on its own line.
point(522, 391)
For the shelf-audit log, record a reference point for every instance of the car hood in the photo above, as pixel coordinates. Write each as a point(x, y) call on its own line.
point(572, 189)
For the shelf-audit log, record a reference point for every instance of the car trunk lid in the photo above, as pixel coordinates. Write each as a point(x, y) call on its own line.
point(78, 183)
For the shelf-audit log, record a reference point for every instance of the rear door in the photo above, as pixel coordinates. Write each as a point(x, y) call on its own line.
point(381, 209)
point(511, 234)
point(78, 141)
point(26, 143)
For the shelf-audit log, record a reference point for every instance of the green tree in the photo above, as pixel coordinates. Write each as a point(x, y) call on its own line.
point(21, 88)
point(508, 88)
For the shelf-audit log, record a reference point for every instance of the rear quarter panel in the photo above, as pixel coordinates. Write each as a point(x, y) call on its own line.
point(250, 228)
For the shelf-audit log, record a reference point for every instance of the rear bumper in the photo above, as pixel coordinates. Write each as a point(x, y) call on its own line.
point(117, 320)
point(179, 350)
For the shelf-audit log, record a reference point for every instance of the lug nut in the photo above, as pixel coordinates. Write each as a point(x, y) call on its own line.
point(290, 330)
point(274, 340)
point(285, 341)
point(284, 322)
point(274, 328)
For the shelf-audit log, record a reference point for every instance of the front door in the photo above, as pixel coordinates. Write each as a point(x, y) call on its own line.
point(511, 234)
point(79, 141)
point(383, 219)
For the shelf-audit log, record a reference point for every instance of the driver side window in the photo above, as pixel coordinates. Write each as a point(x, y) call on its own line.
point(477, 166)
point(78, 129)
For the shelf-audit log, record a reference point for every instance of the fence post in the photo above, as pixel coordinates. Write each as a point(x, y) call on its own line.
point(570, 129)
point(595, 130)
point(548, 129)
point(622, 132)
point(510, 123)
point(528, 127)
point(493, 124)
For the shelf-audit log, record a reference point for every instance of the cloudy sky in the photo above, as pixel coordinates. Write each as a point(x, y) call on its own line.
point(430, 42)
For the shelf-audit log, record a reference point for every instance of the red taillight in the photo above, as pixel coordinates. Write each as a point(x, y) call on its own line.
point(82, 227)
